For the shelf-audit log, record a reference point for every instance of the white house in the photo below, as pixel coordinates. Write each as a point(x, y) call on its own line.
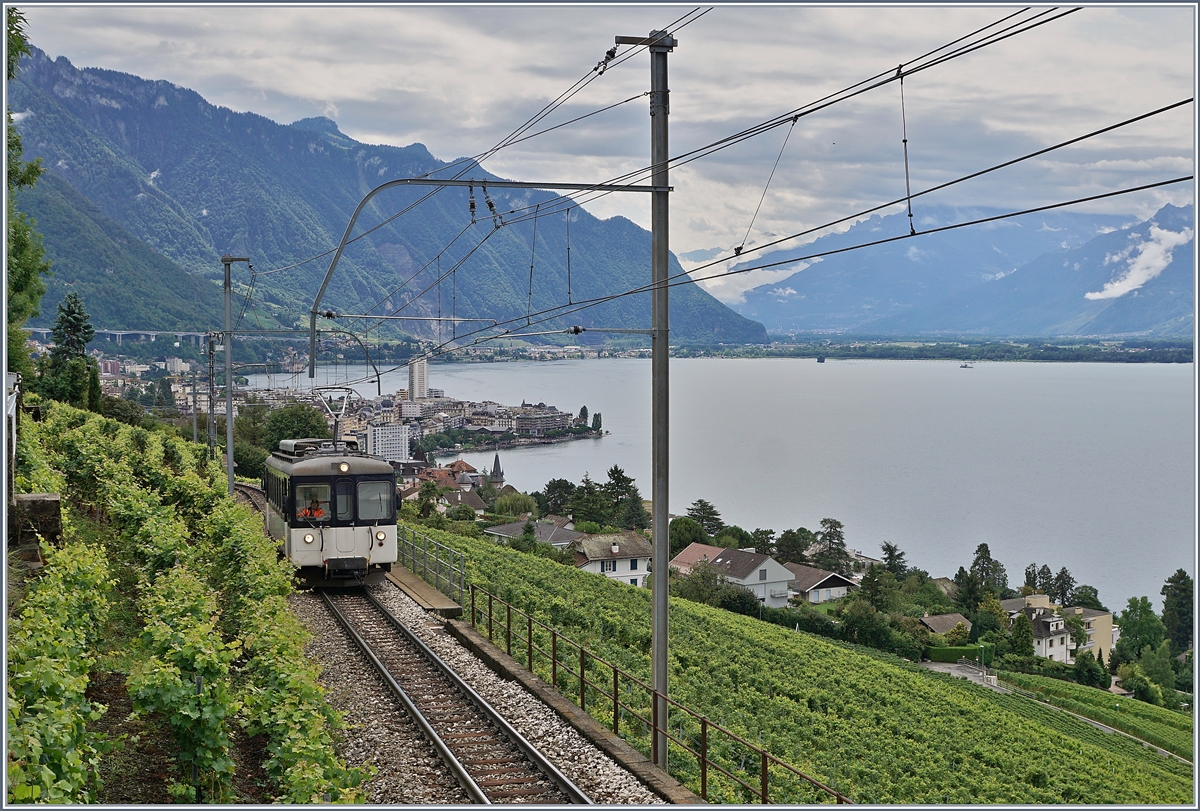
point(817, 585)
point(624, 557)
point(765, 577)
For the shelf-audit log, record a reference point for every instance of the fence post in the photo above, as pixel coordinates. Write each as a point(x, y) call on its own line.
point(508, 629)
point(529, 619)
point(704, 758)
point(437, 566)
point(491, 636)
point(473, 604)
point(582, 677)
point(762, 753)
point(616, 698)
point(554, 658)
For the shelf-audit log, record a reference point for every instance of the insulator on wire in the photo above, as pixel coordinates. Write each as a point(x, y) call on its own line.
point(471, 203)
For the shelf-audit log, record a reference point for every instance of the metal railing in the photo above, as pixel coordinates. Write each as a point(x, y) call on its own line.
point(438, 565)
point(570, 669)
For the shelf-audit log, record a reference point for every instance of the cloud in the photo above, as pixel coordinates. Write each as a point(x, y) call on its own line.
point(460, 78)
point(784, 291)
point(1152, 257)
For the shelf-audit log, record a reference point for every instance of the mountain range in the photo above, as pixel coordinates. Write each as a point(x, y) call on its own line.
point(1043, 274)
point(148, 184)
point(194, 181)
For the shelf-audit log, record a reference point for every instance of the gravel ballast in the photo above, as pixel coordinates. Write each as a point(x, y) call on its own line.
point(380, 734)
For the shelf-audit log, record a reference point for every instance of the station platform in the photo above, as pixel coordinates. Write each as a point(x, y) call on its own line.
point(424, 594)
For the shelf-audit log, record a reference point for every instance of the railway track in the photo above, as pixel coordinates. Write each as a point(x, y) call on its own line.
point(257, 498)
point(488, 757)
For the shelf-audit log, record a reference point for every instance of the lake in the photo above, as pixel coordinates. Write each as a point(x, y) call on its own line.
point(1087, 466)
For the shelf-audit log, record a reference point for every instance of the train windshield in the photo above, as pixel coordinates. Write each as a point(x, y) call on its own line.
point(375, 501)
point(312, 502)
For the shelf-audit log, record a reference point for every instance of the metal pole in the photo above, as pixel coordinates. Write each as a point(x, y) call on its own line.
point(661, 43)
point(227, 261)
point(212, 399)
point(195, 431)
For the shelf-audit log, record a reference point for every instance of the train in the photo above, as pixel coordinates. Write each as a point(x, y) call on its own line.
point(332, 509)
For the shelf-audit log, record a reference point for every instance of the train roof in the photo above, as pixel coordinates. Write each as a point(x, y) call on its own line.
point(316, 457)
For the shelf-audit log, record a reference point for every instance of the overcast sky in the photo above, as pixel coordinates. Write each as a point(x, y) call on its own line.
point(459, 78)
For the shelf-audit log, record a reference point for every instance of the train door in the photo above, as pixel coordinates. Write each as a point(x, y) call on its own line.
point(347, 533)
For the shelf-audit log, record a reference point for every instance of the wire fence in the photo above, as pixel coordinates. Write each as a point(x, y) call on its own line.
point(727, 767)
point(438, 565)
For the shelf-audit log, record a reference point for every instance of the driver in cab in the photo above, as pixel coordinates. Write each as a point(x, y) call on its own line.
point(313, 510)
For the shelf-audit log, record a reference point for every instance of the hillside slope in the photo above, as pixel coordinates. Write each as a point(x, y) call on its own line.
point(875, 727)
point(123, 283)
point(195, 181)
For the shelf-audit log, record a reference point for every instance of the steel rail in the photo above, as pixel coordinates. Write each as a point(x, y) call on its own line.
point(573, 792)
point(457, 769)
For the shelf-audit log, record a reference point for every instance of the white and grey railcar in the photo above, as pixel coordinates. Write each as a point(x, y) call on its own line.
point(333, 510)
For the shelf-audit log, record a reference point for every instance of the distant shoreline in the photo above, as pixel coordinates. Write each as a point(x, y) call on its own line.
point(517, 443)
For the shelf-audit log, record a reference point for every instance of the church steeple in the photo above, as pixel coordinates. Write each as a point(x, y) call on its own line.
point(497, 475)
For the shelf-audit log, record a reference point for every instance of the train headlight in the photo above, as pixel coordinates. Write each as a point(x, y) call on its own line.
point(344, 467)
point(308, 538)
point(380, 535)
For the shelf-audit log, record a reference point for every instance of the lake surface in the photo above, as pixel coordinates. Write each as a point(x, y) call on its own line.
point(1087, 466)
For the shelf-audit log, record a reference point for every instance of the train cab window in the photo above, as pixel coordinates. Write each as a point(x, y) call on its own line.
point(375, 501)
point(345, 500)
point(312, 502)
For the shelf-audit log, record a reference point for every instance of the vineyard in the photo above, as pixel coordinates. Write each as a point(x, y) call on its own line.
point(873, 726)
point(1162, 727)
point(217, 645)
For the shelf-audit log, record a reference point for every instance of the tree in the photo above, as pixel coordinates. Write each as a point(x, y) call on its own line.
point(990, 604)
point(631, 513)
point(488, 493)
point(168, 399)
point(793, 545)
point(1022, 636)
point(295, 421)
point(26, 263)
point(684, 532)
point(701, 583)
point(516, 504)
point(990, 572)
point(65, 374)
point(1156, 664)
point(248, 459)
point(880, 589)
point(1063, 589)
point(1045, 580)
point(970, 591)
point(1087, 597)
point(95, 394)
point(427, 497)
point(1177, 610)
point(764, 541)
point(460, 512)
point(893, 560)
point(597, 422)
point(1140, 627)
point(583, 414)
point(558, 494)
point(735, 537)
point(1135, 681)
point(958, 635)
point(123, 410)
point(1031, 577)
point(250, 424)
point(1090, 672)
point(833, 556)
point(618, 487)
point(706, 515)
point(588, 503)
point(737, 599)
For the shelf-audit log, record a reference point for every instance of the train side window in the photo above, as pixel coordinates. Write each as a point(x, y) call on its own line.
point(345, 500)
point(375, 501)
point(312, 502)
